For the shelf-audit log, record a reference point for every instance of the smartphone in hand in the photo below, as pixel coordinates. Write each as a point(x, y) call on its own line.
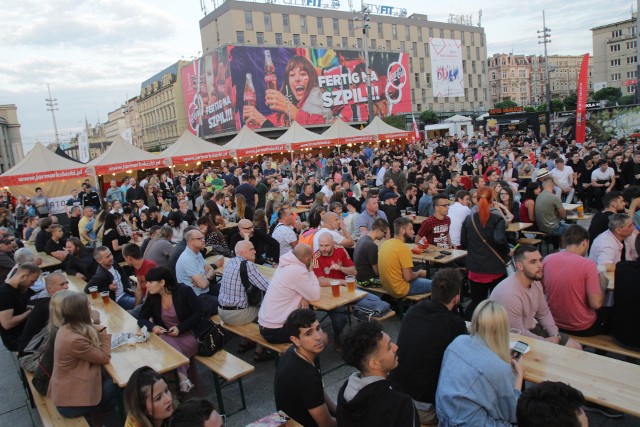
point(518, 350)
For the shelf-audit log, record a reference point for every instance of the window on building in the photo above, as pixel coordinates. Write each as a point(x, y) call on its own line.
point(632, 45)
point(473, 67)
point(351, 29)
point(464, 65)
point(344, 42)
point(430, 32)
point(523, 89)
point(475, 94)
point(359, 43)
point(248, 20)
point(314, 40)
point(373, 44)
point(441, 33)
point(615, 76)
point(414, 48)
point(260, 38)
point(402, 47)
point(468, 52)
point(388, 45)
point(296, 39)
point(631, 89)
point(493, 75)
point(466, 94)
point(522, 74)
point(616, 33)
point(477, 53)
point(632, 59)
point(413, 95)
point(394, 31)
point(407, 33)
point(614, 48)
point(426, 50)
point(470, 79)
point(421, 61)
point(303, 24)
point(380, 30)
point(504, 74)
point(320, 24)
point(482, 36)
point(278, 39)
point(632, 30)
point(419, 34)
point(452, 34)
point(424, 94)
point(615, 62)
point(417, 78)
point(267, 21)
point(285, 22)
point(240, 36)
point(329, 41)
point(336, 26)
point(427, 78)
point(631, 74)
point(505, 89)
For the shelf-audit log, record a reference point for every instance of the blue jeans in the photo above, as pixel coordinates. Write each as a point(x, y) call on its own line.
point(128, 302)
point(339, 320)
point(419, 286)
point(560, 229)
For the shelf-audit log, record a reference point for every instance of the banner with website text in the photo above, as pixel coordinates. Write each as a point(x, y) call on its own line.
point(271, 87)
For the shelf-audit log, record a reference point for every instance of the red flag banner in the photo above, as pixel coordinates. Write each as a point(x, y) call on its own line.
point(581, 107)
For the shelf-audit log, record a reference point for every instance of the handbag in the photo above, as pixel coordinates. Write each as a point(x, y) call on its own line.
point(254, 294)
point(508, 265)
point(211, 340)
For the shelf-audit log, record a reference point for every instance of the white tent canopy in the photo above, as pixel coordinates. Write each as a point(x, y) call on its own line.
point(458, 119)
point(122, 156)
point(189, 149)
point(42, 165)
point(342, 133)
point(297, 137)
point(383, 130)
point(248, 143)
point(461, 125)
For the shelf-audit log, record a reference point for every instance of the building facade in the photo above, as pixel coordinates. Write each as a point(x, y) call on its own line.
point(510, 78)
point(615, 51)
point(161, 108)
point(11, 151)
point(132, 121)
point(274, 24)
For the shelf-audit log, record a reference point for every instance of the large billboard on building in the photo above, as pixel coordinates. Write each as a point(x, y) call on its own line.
point(271, 87)
point(446, 67)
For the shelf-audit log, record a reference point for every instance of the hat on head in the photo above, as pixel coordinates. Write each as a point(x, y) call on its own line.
point(390, 196)
point(542, 173)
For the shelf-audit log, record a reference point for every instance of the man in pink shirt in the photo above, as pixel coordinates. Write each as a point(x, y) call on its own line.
point(575, 299)
point(293, 285)
point(522, 296)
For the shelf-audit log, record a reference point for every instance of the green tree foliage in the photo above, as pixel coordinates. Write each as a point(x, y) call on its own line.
point(557, 105)
point(611, 94)
point(530, 109)
point(429, 117)
point(627, 100)
point(570, 102)
point(505, 104)
point(397, 121)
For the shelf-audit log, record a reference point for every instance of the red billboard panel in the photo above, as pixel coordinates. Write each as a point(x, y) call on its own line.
point(271, 87)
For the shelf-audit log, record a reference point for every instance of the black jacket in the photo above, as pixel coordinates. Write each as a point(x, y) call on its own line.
point(84, 264)
point(186, 304)
point(376, 404)
point(263, 243)
point(480, 259)
point(625, 319)
point(103, 278)
point(426, 331)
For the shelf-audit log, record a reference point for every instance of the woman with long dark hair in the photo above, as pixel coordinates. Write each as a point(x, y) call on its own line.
point(213, 236)
point(148, 400)
point(172, 311)
point(112, 238)
point(528, 204)
point(484, 237)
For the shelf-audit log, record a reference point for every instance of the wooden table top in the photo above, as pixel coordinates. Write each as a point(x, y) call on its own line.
point(228, 225)
point(300, 210)
point(611, 275)
point(515, 227)
point(417, 220)
point(603, 380)
point(431, 256)
point(124, 360)
point(571, 206)
point(575, 217)
point(47, 260)
point(328, 302)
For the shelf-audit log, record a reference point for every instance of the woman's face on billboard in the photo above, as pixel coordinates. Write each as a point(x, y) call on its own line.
point(298, 81)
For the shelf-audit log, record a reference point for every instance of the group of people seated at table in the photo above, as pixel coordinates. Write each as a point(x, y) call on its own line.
point(350, 229)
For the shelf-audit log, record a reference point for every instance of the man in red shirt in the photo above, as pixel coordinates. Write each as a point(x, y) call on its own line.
point(436, 227)
point(331, 262)
point(133, 257)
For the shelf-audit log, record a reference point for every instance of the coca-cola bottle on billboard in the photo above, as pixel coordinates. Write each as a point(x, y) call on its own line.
point(269, 72)
point(221, 80)
point(249, 92)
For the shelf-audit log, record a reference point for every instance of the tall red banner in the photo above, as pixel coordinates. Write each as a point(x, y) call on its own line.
point(581, 107)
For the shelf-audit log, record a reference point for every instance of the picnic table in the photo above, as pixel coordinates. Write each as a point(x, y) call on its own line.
point(430, 256)
point(516, 227)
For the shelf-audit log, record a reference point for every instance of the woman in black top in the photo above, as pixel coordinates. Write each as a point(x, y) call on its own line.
point(112, 238)
point(80, 262)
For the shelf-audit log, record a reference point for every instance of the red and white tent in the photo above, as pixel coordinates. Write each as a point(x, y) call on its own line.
point(42, 165)
point(298, 137)
point(122, 156)
point(342, 133)
point(248, 143)
point(191, 149)
point(382, 130)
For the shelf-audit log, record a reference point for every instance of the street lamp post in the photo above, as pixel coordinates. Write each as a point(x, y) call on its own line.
point(545, 36)
point(364, 13)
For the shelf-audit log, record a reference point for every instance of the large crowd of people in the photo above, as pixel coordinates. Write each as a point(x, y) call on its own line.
point(317, 219)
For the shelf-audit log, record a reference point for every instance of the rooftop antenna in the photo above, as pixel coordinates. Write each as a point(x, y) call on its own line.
point(480, 18)
point(203, 7)
point(52, 105)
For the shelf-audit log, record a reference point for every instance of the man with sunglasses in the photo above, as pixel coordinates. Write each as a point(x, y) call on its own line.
point(267, 248)
point(192, 270)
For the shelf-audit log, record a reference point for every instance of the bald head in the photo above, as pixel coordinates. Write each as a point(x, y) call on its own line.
point(244, 223)
point(56, 282)
point(303, 253)
point(245, 249)
point(331, 221)
point(325, 244)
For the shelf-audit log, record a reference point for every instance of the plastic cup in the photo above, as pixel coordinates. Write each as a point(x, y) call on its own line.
point(335, 288)
point(351, 283)
point(105, 297)
point(403, 212)
point(94, 292)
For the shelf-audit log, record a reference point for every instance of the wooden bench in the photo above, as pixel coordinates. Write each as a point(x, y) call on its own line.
point(251, 331)
point(230, 368)
point(387, 316)
point(398, 302)
point(526, 241)
point(48, 412)
point(606, 343)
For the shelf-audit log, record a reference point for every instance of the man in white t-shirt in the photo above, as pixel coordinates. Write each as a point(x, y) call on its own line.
point(563, 178)
point(283, 183)
point(457, 213)
point(603, 180)
point(332, 224)
point(283, 231)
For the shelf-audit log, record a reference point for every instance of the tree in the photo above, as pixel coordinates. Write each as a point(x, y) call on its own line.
point(610, 94)
point(505, 104)
point(570, 102)
point(530, 109)
point(541, 108)
point(397, 121)
point(627, 100)
point(556, 105)
point(429, 117)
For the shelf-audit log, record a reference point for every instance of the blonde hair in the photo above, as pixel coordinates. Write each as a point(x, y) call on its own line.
point(76, 314)
point(55, 309)
point(491, 323)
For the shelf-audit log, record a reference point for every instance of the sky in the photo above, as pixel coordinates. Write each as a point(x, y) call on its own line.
point(95, 54)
